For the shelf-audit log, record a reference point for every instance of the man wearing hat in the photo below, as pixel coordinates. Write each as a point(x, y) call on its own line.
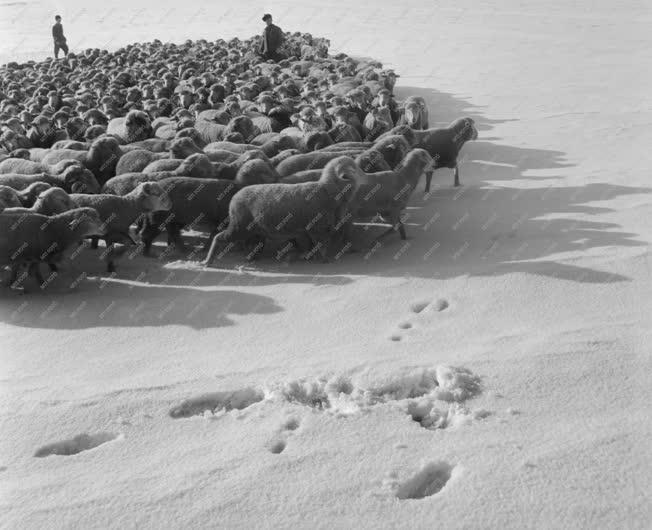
point(59, 39)
point(272, 39)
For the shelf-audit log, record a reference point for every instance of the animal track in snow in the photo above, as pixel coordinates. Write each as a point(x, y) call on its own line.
point(216, 402)
point(441, 304)
point(290, 424)
point(417, 307)
point(277, 446)
point(81, 442)
point(430, 480)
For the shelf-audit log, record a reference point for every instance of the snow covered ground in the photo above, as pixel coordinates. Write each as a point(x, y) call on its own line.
point(490, 372)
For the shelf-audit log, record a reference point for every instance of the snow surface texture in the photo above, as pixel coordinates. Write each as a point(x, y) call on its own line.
point(319, 380)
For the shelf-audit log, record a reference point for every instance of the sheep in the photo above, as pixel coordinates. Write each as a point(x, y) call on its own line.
point(198, 201)
point(286, 153)
point(415, 113)
point(376, 122)
point(31, 238)
point(313, 160)
point(8, 198)
point(135, 126)
point(28, 195)
point(445, 144)
point(387, 192)
point(52, 201)
point(71, 144)
point(73, 179)
point(210, 131)
point(29, 167)
point(391, 149)
point(119, 212)
point(307, 211)
point(101, 158)
point(137, 160)
point(348, 145)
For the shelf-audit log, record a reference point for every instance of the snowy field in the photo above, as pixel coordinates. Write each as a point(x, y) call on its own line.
point(490, 372)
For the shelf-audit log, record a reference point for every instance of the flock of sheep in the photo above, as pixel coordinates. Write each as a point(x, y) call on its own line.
point(205, 135)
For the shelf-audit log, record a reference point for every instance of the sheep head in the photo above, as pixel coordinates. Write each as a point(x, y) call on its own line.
point(152, 197)
point(53, 201)
point(8, 198)
point(341, 177)
point(138, 126)
point(78, 179)
point(183, 147)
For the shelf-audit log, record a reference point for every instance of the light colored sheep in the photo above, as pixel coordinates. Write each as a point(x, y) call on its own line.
point(73, 179)
point(101, 158)
point(51, 202)
point(307, 211)
point(312, 160)
point(29, 167)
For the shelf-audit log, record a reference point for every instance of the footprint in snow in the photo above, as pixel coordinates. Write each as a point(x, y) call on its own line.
point(81, 442)
point(277, 446)
point(429, 481)
point(418, 307)
point(216, 402)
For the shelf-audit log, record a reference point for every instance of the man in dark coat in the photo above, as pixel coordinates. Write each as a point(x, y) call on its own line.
point(59, 39)
point(272, 39)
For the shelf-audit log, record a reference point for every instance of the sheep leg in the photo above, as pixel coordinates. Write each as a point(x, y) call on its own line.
point(35, 271)
point(457, 176)
point(94, 241)
point(14, 276)
point(148, 234)
point(53, 267)
point(428, 180)
point(258, 243)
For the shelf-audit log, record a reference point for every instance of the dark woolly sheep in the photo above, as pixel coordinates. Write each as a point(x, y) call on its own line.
point(415, 113)
point(200, 203)
point(8, 198)
point(135, 126)
point(391, 148)
point(445, 144)
point(29, 239)
point(118, 213)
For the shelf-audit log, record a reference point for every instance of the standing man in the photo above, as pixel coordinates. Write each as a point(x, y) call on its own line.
point(59, 39)
point(272, 39)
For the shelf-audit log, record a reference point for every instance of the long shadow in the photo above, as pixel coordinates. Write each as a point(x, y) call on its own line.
point(110, 302)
